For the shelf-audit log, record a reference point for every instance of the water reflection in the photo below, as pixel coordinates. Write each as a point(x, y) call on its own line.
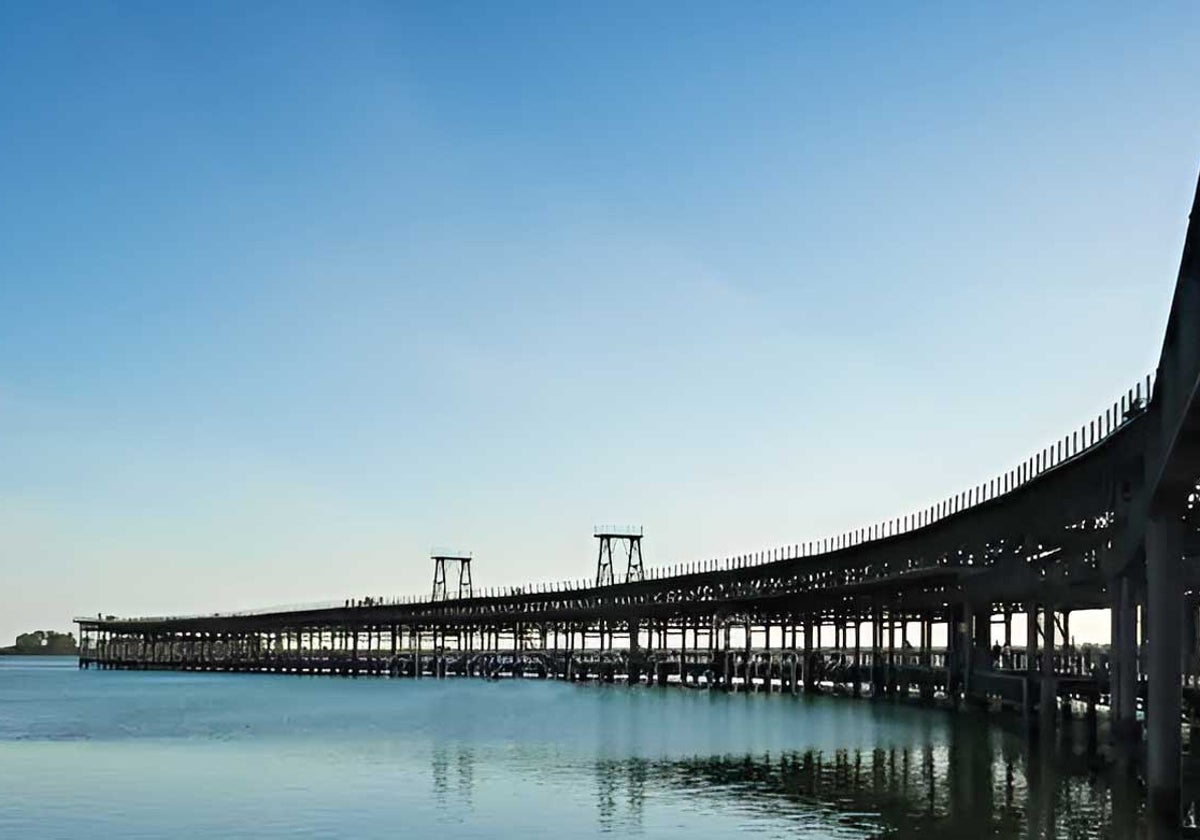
point(527, 760)
point(927, 792)
point(621, 793)
point(979, 782)
point(453, 776)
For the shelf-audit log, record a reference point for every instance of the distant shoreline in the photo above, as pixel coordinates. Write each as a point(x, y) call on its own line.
point(12, 652)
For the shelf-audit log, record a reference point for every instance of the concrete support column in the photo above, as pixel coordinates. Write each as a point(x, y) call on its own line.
point(683, 653)
point(890, 688)
point(635, 663)
point(1123, 664)
point(712, 651)
point(983, 636)
point(763, 667)
point(747, 680)
point(1066, 639)
point(968, 658)
point(954, 645)
point(923, 653)
point(417, 653)
point(726, 669)
point(1048, 704)
point(857, 658)
point(1031, 654)
point(1189, 630)
point(1164, 602)
point(980, 657)
point(923, 657)
point(809, 681)
point(876, 651)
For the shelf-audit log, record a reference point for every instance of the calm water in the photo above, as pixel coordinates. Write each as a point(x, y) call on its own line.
point(151, 755)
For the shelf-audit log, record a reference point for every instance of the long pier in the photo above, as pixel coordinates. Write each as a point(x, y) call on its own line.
point(1104, 518)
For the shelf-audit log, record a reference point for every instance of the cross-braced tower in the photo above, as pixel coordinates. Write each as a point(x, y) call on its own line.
point(632, 538)
point(462, 559)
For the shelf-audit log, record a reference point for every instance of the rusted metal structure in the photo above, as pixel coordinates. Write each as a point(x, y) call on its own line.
point(1104, 518)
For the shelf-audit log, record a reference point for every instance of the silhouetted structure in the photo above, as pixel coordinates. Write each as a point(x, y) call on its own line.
point(457, 559)
point(631, 538)
point(1102, 518)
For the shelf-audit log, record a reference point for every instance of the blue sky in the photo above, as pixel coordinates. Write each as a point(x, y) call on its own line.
point(290, 293)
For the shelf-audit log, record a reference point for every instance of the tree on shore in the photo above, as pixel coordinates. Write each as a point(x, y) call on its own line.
point(46, 641)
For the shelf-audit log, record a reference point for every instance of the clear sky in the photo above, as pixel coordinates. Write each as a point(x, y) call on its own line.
point(292, 292)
